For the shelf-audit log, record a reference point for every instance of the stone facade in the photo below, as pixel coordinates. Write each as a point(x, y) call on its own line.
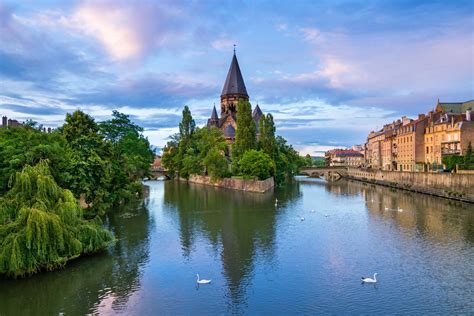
point(419, 144)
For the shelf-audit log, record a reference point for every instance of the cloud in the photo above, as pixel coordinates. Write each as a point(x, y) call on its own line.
point(310, 34)
point(223, 44)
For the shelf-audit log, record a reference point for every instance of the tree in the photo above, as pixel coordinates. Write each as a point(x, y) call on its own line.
point(41, 225)
point(91, 168)
point(24, 145)
point(255, 163)
point(308, 161)
point(245, 136)
point(216, 164)
point(187, 125)
point(468, 159)
point(267, 141)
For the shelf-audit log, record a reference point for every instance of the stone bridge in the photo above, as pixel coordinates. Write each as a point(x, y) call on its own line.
point(327, 173)
point(157, 172)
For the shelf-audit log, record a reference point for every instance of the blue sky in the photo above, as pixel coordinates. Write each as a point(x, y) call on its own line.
point(329, 71)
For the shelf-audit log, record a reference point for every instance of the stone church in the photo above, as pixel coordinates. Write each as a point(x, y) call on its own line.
point(234, 91)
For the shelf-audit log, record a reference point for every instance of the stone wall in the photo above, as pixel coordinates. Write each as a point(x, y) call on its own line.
point(235, 184)
point(450, 185)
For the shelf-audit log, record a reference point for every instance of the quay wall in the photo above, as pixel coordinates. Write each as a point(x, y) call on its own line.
point(259, 186)
point(449, 185)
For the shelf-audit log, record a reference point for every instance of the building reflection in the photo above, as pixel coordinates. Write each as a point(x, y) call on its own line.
point(241, 225)
point(414, 213)
point(102, 283)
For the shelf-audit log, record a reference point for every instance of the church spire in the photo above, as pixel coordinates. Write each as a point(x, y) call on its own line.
point(234, 83)
point(214, 113)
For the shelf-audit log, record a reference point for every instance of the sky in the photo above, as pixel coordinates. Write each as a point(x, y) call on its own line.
point(328, 71)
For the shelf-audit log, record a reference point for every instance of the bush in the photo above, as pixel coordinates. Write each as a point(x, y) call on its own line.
point(255, 163)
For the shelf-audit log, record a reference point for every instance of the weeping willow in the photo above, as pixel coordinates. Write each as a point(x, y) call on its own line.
point(42, 226)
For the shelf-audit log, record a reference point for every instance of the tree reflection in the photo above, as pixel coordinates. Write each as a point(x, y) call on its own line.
point(101, 283)
point(240, 224)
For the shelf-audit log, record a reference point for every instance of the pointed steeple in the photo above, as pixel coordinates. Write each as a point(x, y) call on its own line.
point(214, 114)
point(257, 113)
point(234, 83)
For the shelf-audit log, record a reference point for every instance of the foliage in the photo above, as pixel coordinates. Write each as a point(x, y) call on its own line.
point(41, 225)
point(266, 141)
point(24, 145)
point(245, 135)
point(131, 156)
point(204, 150)
point(256, 163)
point(451, 161)
point(308, 161)
point(468, 158)
point(90, 165)
point(193, 150)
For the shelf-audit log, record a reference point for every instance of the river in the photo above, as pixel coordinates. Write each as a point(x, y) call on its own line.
point(264, 259)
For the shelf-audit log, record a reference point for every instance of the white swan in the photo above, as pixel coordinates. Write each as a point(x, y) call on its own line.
point(369, 280)
point(400, 209)
point(276, 202)
point(312, 211)
point(301, 218)
point(387, 209)
point(202, 281)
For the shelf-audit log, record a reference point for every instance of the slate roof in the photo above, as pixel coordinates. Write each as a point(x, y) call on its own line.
point(456, 107)
point(229, 131)
point(234, 83)
point(214, 114)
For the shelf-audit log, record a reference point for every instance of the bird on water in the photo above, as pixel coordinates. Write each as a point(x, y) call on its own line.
point(369, 280)
point(202, 281)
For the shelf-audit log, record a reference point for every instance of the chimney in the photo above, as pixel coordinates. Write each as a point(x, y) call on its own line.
point(4, 121)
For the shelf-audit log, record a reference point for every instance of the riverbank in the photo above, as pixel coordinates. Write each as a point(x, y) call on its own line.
point(259, 186)
point(448, 185)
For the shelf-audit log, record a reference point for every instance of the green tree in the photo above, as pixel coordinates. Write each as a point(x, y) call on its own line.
point(187, 125)
point(245, 135)
point(308, 160)
point(255, 163)
point(91, 168)
point(267, 141)
point(216, 164)
point(468, 159)
point(24, 145)
point(41, 225)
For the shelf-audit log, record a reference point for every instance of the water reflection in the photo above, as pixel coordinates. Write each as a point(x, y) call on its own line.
point(439, 219)
point(241, 226)
point(101, 283)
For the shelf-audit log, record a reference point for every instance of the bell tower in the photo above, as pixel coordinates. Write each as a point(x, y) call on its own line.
point(234, 89)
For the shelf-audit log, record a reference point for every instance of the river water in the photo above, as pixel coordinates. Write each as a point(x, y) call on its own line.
point(264, 259)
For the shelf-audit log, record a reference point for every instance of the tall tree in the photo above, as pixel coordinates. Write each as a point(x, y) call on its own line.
point(91, 160)
point(468, 156)
point(245, 136)
point(267, 141)
point(187, 125)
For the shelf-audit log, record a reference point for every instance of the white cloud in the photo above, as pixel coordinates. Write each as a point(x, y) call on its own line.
point(310, 34)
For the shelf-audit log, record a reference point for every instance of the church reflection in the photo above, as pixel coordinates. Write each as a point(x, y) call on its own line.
point(241, 226)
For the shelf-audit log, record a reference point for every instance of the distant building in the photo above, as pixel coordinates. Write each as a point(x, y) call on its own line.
point(344, 158)
point(420, 144)
point(10, 122)
point(234, 90)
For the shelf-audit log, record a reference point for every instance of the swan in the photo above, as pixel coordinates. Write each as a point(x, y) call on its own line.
point(369, 280)
point(400, 209)
point(387, 209)
point(312, 211)
point(202, 281)
point(301, 218)
point(276, 202)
